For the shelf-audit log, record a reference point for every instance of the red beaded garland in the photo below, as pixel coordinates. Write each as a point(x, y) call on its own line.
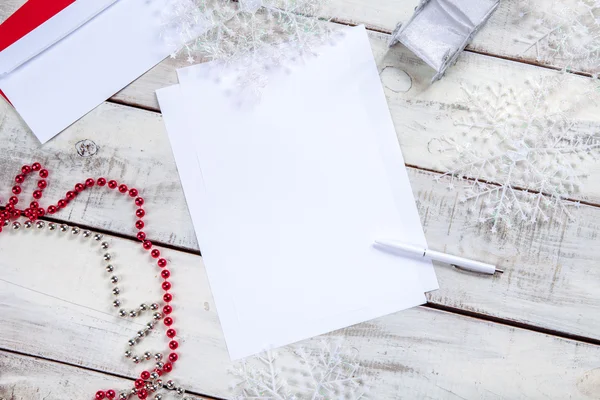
point(34, 211)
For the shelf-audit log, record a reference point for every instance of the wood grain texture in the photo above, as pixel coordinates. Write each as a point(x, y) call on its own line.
point(31, 378)
point(419, 353)
point(550, 282)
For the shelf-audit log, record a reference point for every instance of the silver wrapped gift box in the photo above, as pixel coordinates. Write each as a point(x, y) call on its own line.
point(439, 30)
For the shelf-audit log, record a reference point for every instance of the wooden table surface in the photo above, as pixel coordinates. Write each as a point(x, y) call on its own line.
point(532, 333)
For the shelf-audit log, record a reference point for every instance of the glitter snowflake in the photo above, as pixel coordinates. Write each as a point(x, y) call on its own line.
point(256, 35)
point(519, 154)
point(328, 371)
point(566, 35)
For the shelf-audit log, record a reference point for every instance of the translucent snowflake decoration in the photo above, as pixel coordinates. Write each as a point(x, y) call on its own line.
point(519, 154)
point(258, 35)
point(329, 371)
point(566, 34)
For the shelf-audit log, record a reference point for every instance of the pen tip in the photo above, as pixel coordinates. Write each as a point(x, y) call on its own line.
point(500, 271)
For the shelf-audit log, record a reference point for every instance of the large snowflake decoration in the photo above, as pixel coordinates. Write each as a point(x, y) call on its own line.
point(328, 371)
point(256, 35)
point(566, 35)
point(519, 154)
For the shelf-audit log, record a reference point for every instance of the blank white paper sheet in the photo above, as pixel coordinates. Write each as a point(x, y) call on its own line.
point(288, 193)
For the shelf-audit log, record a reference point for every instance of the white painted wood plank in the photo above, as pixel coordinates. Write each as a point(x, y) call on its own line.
point(547, 266)
point(59, 295)
point(31, 378)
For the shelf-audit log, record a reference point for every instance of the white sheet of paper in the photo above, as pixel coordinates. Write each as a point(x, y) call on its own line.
point(289, 195)
point(68, 80)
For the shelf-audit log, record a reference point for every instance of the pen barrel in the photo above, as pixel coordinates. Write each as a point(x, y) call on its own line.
point(464, 263)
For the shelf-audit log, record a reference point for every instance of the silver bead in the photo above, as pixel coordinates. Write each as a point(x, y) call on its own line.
point(86, 234)
point(128, 354)
point(132, 342)
point(133, 391)
point(104, 245)
point(143, 307)
point(180, 391)
point(158, 396)
point(136, 359)
point(75, 230)
point(63, 227)
point(170, 385)
point(6, 223)
point(116, 303)
point(16, 226)
point(40, 224)
point(154, 306)
point(97, 237)
point(160, 365)
point(141, 334)
point(123, 396)
point(52, 226)
point(27, 224)
point(110, 268)
point(158, 356)
point(147, 355)
point(157, 316)
point(159, 383)
point(122, 313)
point(106, 257)
point(153, 375)
point(133, 313)
point(116, 291)
point(149, 386)
point(114, 279)
point(150, 325)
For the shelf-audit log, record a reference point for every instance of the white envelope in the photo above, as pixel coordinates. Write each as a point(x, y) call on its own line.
point(288, 196)
point(81, 57)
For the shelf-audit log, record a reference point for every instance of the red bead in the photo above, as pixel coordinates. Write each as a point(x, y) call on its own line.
point(139, 224)
point(13, 200)
point(141, 236)
point(36, 166)
point(133, 192)
point(62, 203)
point(89, 182)
point(168, 321)
point(171, 333)
point(166, 286)
point(123, 188)
point(139, 383)
point(79, 187)
point(42, 184)
point(44, 173)
point(165, 274)
point(111, 394)
point(155, 253)
point(20, 178)
point(100, 395)
point(37, 194)
point(16, 189)
point(139, 202)
point(145, 375)
point(101, 182)
point(173, 357)
point(27, 212)
point(4, 215)
point(173, 344)
point(143, 394)
point(147, 244)
point(167, 309)
point(34, 204)
point(25, 169)
point(140, 213)
point(70, 195)
point(158, 371)
point(15, 214)
point(162, 263)
point(52, 209)
point(41, 212)
point(112, 184)
point(1, 223)
point(168, 367)
point(168, 297)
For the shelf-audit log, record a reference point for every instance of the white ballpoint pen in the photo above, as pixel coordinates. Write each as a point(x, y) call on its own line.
point(420, 251)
